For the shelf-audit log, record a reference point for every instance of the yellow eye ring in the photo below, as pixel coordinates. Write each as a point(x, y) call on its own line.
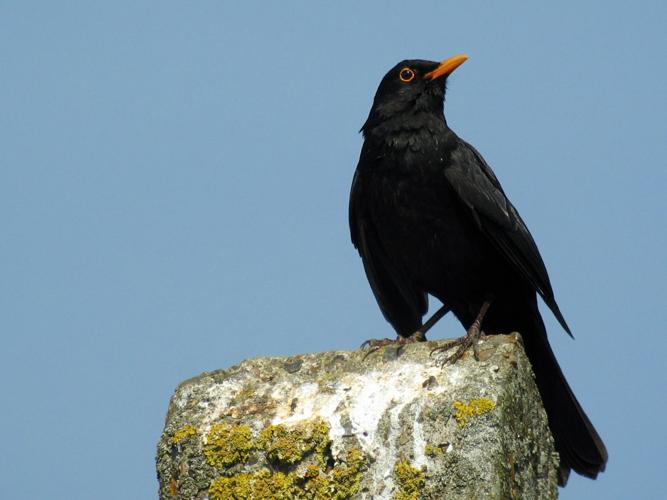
point(406, 75)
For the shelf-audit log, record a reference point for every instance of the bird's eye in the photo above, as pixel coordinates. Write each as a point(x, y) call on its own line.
point(406, 75)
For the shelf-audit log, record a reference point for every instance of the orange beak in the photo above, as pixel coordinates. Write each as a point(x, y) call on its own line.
point(446, 67)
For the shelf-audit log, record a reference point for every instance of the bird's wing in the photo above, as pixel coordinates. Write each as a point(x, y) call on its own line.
point(477, 186)
point(401, 304)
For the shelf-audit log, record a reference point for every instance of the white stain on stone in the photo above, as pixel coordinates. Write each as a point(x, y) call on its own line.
point(418, 441)
point(362, 401)
point(387, 455)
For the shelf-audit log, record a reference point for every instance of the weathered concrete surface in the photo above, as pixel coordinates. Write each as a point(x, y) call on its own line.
point(333, 425)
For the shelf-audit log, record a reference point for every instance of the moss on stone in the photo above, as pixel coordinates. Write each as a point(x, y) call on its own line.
point(267, 484)
point(227, 445)
point(474, 408)
point(410, 481)
point(183, 433)
point(312, 471)
point(289, 445)
point(339, 483)
point(254, 485)
point(346, 477)
point(314, 484)
point(259, 485)
point(431, 450)
point(231, 488)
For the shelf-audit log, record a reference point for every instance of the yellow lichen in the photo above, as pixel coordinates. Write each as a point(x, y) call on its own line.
point(284, 447)
point(320, 437)
point(474, 408)
point(183, 433)
point(267, 484)
point(347, 477)
point(410, 481)
point(314, 483)
point(430, 450)
point(256, 485)
point(289, 445)
point(311, 472)
point(231, 488)
point(227, 445)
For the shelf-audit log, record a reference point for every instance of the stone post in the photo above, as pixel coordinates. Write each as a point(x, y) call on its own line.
point(333, 425)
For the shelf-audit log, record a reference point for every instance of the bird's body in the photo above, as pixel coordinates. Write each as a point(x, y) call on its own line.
point(428, 216)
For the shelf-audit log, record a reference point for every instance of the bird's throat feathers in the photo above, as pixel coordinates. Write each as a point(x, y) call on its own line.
point(423, 132)
point(389, 118)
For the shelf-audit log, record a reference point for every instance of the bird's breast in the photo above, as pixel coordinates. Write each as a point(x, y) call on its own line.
point(423, 226)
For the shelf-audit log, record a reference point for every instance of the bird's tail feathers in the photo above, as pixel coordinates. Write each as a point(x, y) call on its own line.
point(577, 442)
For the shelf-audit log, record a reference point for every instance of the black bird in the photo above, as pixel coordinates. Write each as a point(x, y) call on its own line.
point(429, 216)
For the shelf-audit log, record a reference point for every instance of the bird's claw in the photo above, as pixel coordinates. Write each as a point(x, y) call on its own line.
point(377, 343)
point(470, 339)
point(374, 345)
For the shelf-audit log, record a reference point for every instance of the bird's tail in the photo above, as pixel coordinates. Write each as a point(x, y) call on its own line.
point(576, 440)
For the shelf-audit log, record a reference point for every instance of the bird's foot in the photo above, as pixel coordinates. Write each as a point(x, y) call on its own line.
point(470, 340)
point(418, 336)
point(374, 345)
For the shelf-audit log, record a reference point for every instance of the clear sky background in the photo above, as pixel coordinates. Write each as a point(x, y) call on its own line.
point(174, 180)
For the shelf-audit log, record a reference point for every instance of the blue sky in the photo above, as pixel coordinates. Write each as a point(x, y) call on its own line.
point(174, 180)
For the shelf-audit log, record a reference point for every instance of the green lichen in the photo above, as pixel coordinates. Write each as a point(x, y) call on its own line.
point(430, 450)
point(410, 481)
point(474, 408)
point(289, 445)
point(227, 445)
point(183, 433)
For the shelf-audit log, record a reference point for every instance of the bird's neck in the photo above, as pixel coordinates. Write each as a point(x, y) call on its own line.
point(426, 131)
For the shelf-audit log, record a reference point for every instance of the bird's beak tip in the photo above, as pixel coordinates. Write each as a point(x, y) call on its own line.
point(446, 67)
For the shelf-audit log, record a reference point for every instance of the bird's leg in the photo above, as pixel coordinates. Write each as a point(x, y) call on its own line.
point(470, 339)
point(417, 336)
point(437, 315)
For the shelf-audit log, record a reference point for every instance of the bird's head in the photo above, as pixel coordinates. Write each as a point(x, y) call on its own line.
point(410, 89)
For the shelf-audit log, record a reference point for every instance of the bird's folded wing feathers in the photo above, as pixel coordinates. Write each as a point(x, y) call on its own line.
point(400, 303)
point(477, 186)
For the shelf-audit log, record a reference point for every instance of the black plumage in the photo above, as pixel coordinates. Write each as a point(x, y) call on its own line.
point(429, 216)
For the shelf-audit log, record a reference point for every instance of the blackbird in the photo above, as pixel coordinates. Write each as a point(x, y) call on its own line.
point(428, 216)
